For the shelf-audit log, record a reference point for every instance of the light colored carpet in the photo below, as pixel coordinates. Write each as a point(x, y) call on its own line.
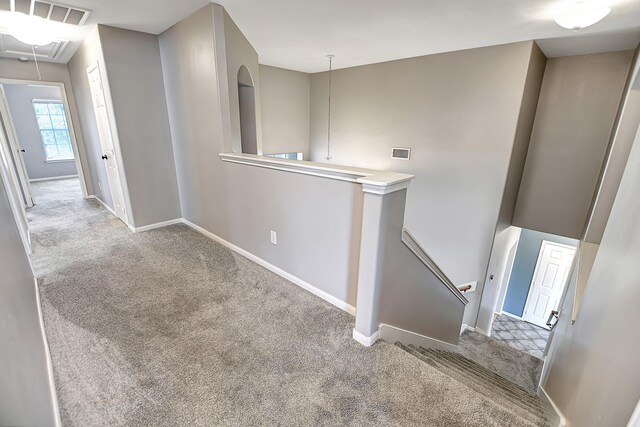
point(517, 366)
point(168, 328)
point(484, 381)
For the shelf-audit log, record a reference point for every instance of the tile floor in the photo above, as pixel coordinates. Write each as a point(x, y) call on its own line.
point(520, 335)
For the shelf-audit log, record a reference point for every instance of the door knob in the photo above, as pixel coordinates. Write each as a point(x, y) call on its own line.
point(104, 157)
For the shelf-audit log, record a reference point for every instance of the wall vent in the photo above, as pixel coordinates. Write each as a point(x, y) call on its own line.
point(401, 153)
point(52, 11)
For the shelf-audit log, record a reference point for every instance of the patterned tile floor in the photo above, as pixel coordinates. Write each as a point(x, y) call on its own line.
point(520, 335)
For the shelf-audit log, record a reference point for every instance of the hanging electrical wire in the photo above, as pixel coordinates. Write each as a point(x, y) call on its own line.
point(35, 59)
point(329, 109)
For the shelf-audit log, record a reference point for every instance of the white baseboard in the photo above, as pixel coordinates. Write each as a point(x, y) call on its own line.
point(480, 331)
point(634, 421)
point(47, 354)
point(513, 316)
point(280, 272)
point(544, 370)
point(156, 225)
point(557, 419)
point(392, 334)
point(53, 178)
point(104, 205)
point(365, 340)
point(466, 327)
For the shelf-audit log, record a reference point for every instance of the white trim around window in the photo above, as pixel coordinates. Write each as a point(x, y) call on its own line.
point(54, 130)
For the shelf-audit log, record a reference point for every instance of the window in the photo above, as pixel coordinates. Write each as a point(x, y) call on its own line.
point(54, 131)
point(289, 156)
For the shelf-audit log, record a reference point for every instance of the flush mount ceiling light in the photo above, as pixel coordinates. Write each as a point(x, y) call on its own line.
point(31, 30)
point(578, 14)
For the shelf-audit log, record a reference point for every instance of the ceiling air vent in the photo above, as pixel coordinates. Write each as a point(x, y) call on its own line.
point(401, 153)
point(52, 11)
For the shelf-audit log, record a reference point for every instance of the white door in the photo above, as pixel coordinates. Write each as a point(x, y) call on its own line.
point(12, 188)
point(549, 279)
point(106, 141)
point(16, 151)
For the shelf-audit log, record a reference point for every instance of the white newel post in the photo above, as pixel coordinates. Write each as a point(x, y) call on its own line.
point(377, 189)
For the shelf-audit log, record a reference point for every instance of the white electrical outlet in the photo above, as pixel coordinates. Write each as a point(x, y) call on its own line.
point(274, 237)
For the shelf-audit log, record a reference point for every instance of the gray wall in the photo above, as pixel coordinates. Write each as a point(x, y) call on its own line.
point(506, 235)
point(195, 118)
point(248, 131)
point(524, 267)
point(139, 102)
point(498, 268)
point(285, 97)
point(239, 52)
point(242, 204)
point(134, 78)
point(620, 145)
point(59, 73)
point(20, 99)
point(409, 288)
point(593, 365)
point(578, 104)
point(459, 113)
point(87, 55)
point(25, 393)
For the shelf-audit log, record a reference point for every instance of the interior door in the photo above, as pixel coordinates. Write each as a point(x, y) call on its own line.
point(106, 141)
point(12, 187)
point(16, 151)
point(549, 279)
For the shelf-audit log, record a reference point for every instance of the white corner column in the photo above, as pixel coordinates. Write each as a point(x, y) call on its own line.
point(377, 188)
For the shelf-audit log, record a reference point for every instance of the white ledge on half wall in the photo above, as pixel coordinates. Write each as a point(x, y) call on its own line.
point(373, 181)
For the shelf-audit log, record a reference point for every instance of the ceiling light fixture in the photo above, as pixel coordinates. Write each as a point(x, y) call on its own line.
point(32, 30)
point(578, 14)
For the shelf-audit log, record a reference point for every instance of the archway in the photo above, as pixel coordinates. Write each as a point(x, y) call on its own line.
point(247, 110)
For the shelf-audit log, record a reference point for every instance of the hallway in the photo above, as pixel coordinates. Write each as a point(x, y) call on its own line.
point(168, 327)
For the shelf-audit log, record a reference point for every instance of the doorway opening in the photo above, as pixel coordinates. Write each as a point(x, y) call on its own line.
point(538, 276)
point(38, 131)
point(247, 109)
point(107, 143)
point(40, 158)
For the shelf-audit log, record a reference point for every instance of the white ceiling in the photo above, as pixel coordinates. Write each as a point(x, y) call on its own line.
point(149, 16)
point(298, 34)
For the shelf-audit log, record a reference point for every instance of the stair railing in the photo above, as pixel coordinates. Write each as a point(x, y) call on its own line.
point(422, 255)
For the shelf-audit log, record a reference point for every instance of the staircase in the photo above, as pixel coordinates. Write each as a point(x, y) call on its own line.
point(501, 391)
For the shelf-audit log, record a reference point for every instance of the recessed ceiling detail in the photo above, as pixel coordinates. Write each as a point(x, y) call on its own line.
point(14, 48)
point(52, 11)
point(11, 47)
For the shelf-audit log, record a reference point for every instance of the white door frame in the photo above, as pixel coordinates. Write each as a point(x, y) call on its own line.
point(508, 270)
point(127, 218)
point(12, 188)
point(535, 271)
point(16, 156)
point(67, 112)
